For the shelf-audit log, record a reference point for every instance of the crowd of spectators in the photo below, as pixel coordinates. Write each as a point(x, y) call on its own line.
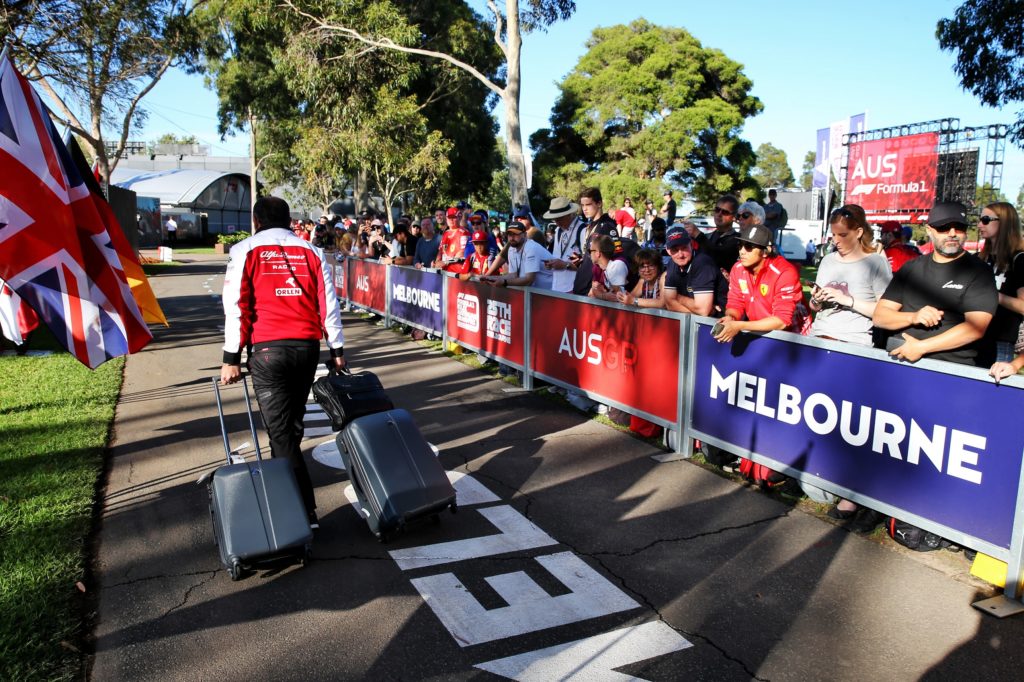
point(874, 288)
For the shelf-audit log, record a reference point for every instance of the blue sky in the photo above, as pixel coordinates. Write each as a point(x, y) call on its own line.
point(811, 63)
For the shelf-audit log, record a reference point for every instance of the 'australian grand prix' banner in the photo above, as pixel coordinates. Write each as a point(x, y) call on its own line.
point(936, 445)
point(895, 173)
point(626, 356)
point(416, 298)
point(367, 284)
point(489, 318)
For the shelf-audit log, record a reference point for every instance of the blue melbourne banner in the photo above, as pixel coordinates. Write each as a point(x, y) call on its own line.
point(416, 298)
point(944, 447)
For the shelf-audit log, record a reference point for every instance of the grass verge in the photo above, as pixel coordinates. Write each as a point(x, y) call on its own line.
point(55, 417)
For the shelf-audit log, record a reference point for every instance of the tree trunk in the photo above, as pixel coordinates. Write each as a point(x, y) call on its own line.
point(362, 195)
point(252, 161)
point(513, 132)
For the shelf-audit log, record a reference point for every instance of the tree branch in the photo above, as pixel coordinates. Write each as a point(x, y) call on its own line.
point(388, 44)
point(498, 27)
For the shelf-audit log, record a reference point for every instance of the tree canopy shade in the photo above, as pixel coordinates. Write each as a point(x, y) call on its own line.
point(646, 108)
point(378, 32)
point(97, 59)
point(772, 169)
point(987, 38)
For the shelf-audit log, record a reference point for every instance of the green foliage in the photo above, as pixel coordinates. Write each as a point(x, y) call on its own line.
point(987, 37)
point(772, 169)
point(646, 108)
point(498, 195)
point(1020, 200)
point(807, 172)
point(986, 194)
point(232, 239)
point(54, 422)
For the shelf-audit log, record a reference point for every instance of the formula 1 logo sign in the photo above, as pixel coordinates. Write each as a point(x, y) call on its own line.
point(897, 173)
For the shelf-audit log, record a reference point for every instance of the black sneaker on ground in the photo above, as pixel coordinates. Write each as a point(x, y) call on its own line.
point(866, 520)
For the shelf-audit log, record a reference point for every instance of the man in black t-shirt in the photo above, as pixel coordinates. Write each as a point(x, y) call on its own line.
point(693, 284)
point(723, 244)
point(941, 303)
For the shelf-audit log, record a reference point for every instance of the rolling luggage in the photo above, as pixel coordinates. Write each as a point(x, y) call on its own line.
point(348, 396)
point(394, 471)
point(257, 509)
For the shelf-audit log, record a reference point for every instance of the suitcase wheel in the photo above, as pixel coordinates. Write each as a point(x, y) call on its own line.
point(305, 557)
point(235, 570)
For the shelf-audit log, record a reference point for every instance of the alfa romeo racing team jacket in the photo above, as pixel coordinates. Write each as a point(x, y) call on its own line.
point(278, 288)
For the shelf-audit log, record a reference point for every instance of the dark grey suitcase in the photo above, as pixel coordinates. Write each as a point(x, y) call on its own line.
point(394, 471)
point(257, 508)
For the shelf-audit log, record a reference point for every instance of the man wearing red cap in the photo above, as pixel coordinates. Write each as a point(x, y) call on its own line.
point(451, 254)
point(480, 260)
point(896, 252)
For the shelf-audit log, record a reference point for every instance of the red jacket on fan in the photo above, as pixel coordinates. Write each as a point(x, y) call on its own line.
point(295, 301)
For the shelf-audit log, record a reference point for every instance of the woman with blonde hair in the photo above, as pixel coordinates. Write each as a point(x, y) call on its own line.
point(999, 225)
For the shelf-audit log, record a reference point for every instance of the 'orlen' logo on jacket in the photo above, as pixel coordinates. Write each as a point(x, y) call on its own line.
point(468, 312)
point(288, 291)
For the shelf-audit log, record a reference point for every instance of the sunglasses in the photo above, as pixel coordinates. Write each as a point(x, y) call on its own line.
point(744, 216)
point(746, 246)
point(839, 213)
point(986, 219)
point(724, 211)
point(946, 228)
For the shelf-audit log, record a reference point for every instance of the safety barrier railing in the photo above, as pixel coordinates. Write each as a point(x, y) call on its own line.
point(935, 444)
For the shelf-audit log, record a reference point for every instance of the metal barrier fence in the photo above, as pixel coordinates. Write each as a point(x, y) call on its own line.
point(935, 444)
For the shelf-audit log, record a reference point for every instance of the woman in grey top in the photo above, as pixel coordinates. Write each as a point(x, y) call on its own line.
point(850, 281)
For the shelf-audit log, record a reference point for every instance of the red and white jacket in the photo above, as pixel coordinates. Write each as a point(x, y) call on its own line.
point(278, 288)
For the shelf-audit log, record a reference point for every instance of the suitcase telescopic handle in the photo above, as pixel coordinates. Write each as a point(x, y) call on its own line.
point(223, 427)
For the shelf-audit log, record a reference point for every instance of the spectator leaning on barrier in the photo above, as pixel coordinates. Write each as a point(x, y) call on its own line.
point(850, 281)
point(566, 245)
point(722, 244)
point(942, 303)
point(525, 262)
point(893, 248)
point(999, 225)
point(692, 282)
point(480, 260)
point(452, 250)
point(478, 221)
point(611, 271)
point(764, 288)
point(404, 246)
point(648, 291)
point(427, 246)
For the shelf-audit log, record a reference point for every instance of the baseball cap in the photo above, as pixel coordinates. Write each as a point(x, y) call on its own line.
point(890, 227)
point(521, 212)
point(758, 235)
point(479, 236)
point(452, 212)
point(677, 236)
point(463, 205)
point(947, 213)
point(515, 226)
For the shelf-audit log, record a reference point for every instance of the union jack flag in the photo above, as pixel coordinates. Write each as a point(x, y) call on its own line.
point(55, 251)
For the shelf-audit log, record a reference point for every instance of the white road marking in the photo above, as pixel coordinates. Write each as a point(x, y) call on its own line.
point(350, 493)
point(327, 454)
point(530, 608)
point(593, 659)
point(470, 492)
point(313, 407)
point(517, 533)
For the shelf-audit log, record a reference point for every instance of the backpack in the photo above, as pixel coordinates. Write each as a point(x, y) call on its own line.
point(783, 218)
point(917, 539)
point(760, 474)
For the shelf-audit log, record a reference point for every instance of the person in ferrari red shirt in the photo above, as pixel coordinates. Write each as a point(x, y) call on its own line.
point(895, 251)
point(279, 302)
point(480, 260)
point(764, 288)
point(451, 253)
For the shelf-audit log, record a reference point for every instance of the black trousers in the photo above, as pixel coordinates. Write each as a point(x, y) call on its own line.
point(282, 377)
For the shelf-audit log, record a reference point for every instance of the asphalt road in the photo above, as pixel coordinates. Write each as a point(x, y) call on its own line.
point(573, 554)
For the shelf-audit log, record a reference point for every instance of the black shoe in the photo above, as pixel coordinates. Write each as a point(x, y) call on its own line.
point(842, 514)
point(866, 521)
point(314, 522)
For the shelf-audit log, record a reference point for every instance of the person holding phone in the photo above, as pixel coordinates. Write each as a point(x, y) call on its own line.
point(565, 249)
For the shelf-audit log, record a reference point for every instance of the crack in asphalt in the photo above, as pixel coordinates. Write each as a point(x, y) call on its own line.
point(162, 576)
point(188, 593)
point(685, 538)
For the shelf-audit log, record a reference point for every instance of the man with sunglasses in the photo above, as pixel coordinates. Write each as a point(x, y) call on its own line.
point(943, 303)
point(722, 244)
point(764, 288)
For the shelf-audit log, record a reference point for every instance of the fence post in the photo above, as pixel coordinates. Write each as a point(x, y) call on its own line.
point(444, 311)
point(527, 331)
point(387, 296)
